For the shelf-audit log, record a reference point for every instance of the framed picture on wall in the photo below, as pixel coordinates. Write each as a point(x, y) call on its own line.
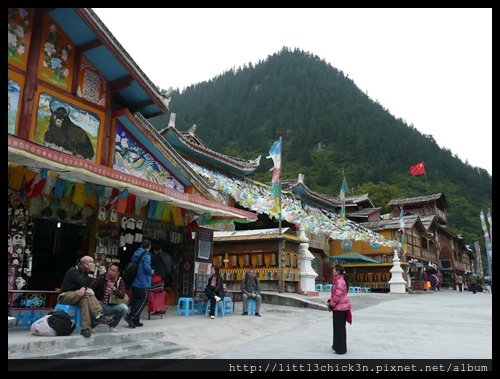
point(204, 244)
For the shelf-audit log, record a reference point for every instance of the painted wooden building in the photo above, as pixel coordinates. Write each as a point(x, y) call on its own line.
point(230, 177)
point(88, 174)
point(438, 244)
point(237, 251)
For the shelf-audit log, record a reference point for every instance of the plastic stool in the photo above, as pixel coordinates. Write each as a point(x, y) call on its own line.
point(228, 305)
point(73, 311)
point(185, 306)
point(319, 287)
point(327, 288)
point(252, 305)
point(202, 307)
point(219, 306)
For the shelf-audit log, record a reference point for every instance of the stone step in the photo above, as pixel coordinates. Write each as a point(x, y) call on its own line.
point(123, 350)
point(39, 346)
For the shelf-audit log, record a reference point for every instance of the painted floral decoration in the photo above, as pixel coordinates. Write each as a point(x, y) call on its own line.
point(16, 31)
point(56, 56)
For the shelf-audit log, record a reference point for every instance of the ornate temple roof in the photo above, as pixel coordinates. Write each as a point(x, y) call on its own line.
point(302, 192)
point(365, 212)
point(393, 223)
point(190, 146)
point(438, 197)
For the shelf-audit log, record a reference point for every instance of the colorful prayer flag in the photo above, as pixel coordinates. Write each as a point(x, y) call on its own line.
point(343, 190)
point(38, 184)
point(404, 248)
point(275, 155)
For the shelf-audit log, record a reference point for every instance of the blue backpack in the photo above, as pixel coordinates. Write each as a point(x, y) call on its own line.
point(130, 271)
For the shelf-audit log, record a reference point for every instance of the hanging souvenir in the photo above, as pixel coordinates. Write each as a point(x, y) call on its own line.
point(138, 231)
point(129, 235)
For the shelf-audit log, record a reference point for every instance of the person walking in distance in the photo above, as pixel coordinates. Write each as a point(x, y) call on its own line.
point(340, 305)
point(460, 282)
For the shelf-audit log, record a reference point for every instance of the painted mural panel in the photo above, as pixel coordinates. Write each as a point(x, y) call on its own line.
point(91, 84)
point(57, 55)
point(67, 128)
point(14, 95)
point(19, 36)
point(131, 158)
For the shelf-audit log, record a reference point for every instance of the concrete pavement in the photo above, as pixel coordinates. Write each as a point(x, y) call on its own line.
point(441, 325)
point(385, 326)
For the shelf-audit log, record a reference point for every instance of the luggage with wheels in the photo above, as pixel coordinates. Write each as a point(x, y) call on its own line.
point(156, 303)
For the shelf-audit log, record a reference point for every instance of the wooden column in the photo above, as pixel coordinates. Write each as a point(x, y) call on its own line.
point(107, 143)
point(30, 85)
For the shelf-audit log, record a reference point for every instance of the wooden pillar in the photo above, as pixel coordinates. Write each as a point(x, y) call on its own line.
point(107, 144)
point(30, 85)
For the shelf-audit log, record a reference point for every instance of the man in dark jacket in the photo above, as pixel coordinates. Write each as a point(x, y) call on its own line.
point(111, 284)
point(140, 284)
point(250, 286)
point(163, 266)
point(76, 291)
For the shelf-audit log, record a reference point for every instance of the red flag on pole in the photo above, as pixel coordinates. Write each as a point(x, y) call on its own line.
point(418, 169)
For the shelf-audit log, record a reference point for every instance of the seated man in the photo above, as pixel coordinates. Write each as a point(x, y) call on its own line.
point(76, 291)
point(107, 284)
point(250, 286)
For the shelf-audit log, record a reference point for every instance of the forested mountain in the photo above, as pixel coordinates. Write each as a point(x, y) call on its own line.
point(327, 123)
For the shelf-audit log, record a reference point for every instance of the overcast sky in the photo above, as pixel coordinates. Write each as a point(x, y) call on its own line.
point(431, 68)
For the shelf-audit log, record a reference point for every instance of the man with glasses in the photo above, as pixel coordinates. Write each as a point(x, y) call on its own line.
point(76, 291)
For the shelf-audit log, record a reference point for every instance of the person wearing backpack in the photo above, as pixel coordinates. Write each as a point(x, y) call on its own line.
point(76, 291)
point(140, 284)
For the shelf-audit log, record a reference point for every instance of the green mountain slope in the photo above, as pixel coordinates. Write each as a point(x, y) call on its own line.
point(328, 123)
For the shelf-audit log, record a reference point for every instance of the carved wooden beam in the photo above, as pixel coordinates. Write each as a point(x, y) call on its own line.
point(89, 46)
point(135, 107)
point(120, 83)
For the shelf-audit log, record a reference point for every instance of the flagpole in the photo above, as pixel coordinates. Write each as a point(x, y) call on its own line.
point(343, 197)
point(488, 216)
point(280, 245)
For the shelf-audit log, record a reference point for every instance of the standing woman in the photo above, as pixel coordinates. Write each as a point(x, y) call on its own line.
point(214, 289)
point(340, 305)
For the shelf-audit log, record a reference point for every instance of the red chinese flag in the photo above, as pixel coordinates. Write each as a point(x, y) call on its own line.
point(418, 169)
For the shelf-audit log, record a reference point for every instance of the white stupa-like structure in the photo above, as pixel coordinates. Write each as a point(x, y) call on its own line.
point(307, 274)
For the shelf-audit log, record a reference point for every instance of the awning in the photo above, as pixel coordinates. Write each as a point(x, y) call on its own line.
point(26, 153)
point(353, 258)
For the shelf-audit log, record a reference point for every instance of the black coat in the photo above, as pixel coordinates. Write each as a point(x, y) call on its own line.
point(219, 287)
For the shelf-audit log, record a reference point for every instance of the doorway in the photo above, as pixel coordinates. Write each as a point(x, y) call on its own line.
point(56, 247)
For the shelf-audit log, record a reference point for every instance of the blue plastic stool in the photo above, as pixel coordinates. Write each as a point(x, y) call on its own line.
point(252, 305)
point(327, 288)
point(319, 287)
point(228, 305)
point(185, 306)
point(219, 306)
point(202, 307)
point(73, 311)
